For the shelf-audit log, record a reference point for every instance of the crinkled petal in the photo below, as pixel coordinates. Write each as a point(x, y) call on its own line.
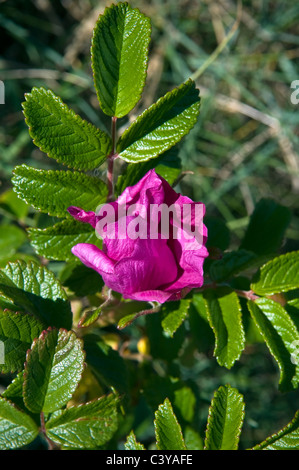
point(93, 257)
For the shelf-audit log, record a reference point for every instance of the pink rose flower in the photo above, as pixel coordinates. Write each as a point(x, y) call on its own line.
point(153, 242)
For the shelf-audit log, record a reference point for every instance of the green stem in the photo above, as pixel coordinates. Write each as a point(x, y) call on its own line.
point(111, 159)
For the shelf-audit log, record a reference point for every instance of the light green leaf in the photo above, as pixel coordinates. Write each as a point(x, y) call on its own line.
point(167, 429)
point(57, 241)
point(231, 264)
point(17, 429)
point(62, 134)
point(53, 191)
point(281, 337)
point(286, 439)
point(53, 369)
point(225, 420)
point(266, 228)
point(119, 56)
point(32, 288)
point(225, 318)
point(173, 315)
point(132, 444)
point(162, 125)
point(85, 426)
point(278, 275)
point(11, 238)
point(17, 331)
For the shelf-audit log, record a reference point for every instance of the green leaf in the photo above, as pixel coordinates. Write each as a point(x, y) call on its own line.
point(14, 392)
point(162, 125)
point(266, 228)
point(57, 241)
point(11, 238)
point(286, 439)
point(281, 337)
point(225, 419)
point(17, 429)
point(173, 315)
point(17, 331)
point(9, 202)
point(62, 134)
point(106, 363)
point(225, 318)
point(86, 426)
point(119, 55)
point(53, 191)
point(167, 165)
point(162, 346)
point(53, 370)
point(167, 429)
point(81, 280)
point(32, 288)
point(132, 444)
point(219, 234)
point(278, 275)
point(231, 264)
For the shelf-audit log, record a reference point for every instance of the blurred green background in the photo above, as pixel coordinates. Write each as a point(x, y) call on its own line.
point(243, 147)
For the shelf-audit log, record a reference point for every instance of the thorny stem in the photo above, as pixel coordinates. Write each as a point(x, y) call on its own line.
point(111, 158)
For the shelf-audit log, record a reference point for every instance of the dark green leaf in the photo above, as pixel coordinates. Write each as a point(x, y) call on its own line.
point(17, 331)
point(162, 125)
point(53, 191)
point(106, 363)
point(86, 426)
point(53, 370)
point(278, 275)
point(218, 233)
point(266, 228)
point(81, 280)
point(17, 429)
point(11, 238)
point(281, 337)
point(167, 429)
point(62, 134)
point(225, 419)
point(119, 56)
point(231, 264)
point(57, 241)
point(33, 288)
